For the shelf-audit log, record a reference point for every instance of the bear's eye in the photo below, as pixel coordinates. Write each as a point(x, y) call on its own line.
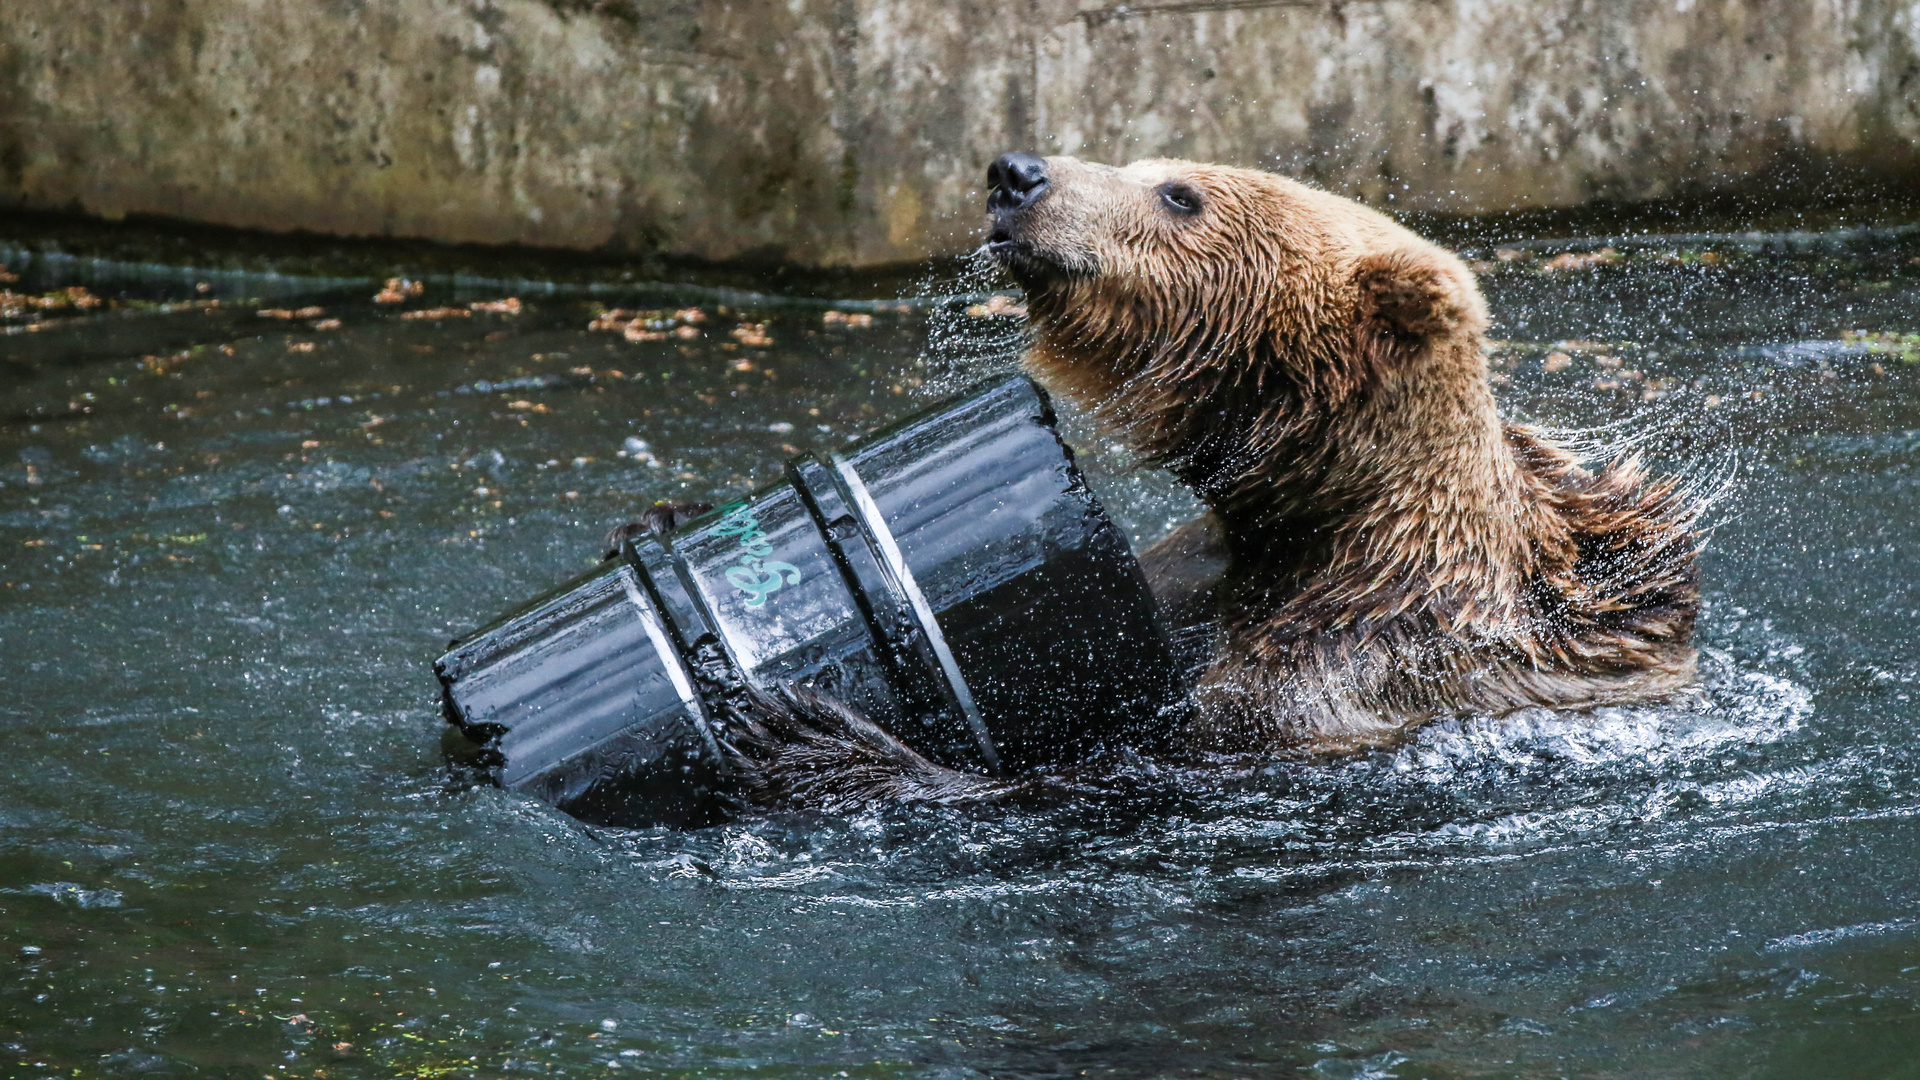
point(1180, 199)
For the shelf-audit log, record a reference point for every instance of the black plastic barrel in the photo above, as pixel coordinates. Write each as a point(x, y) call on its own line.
point(951, 577)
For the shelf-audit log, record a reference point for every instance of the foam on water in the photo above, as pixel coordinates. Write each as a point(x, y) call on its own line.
point(1729, 707)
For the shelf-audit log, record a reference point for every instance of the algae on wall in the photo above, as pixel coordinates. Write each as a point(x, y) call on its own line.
point(856, 132)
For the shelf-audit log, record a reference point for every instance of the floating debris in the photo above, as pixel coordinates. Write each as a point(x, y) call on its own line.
point(614, 319)
point(752, 334)
point(437, 313)
point(852, 320)
point(1580, 260)
point(397, 290)
point(291, 313)
point(998, 305)
point(650, 325)
point(634, 448)
point(164, 365)
point(581, 377)
point(1578, 346)
point(1501, 258)
point(1902, 347)
point(75, 296)
point(509, 306)
point(300, 346)
point(326, 324)
point(1692, 258)
point(1556, 361)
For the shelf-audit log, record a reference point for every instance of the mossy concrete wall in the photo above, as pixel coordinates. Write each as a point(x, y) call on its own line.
point(856, 132)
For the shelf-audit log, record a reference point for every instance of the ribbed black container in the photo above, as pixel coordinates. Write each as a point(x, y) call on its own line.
point(951, 577)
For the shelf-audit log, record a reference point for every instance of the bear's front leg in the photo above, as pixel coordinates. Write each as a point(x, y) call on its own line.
point(1273, 690)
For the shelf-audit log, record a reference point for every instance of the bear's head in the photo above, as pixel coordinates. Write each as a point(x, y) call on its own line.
point(1230, 321)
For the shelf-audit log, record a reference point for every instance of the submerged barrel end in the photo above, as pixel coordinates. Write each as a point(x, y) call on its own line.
point(481, 762)
point(468, 746)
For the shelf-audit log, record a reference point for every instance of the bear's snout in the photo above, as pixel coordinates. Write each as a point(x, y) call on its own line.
point(1033, 231)
point(1014, 182)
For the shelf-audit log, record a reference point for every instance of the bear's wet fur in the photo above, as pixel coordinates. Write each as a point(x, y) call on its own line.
point(1381, 548)
point(1317, 374)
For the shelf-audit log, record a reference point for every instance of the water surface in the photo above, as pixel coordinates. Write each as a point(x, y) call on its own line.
point(231, 544)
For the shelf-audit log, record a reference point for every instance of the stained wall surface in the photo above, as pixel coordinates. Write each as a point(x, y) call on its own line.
point(856, 132)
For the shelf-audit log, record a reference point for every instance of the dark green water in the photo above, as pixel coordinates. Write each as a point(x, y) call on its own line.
point(229, 846)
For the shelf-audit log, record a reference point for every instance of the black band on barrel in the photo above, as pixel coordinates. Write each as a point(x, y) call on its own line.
point(874, 527)
point(688, 623)
point(912, 667)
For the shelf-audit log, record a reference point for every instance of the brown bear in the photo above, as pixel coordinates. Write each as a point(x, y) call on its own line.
point(1392, 550)
point(1381, 549)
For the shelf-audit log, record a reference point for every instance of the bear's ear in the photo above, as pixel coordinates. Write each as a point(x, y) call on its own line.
point(1414, 295)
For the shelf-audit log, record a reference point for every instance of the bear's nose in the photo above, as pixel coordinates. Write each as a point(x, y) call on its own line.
point(1015, 181)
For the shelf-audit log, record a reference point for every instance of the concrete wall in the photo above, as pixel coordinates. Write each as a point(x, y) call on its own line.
point(856, 132)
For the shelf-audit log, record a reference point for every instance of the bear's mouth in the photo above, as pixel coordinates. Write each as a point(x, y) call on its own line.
point(1029, 265)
